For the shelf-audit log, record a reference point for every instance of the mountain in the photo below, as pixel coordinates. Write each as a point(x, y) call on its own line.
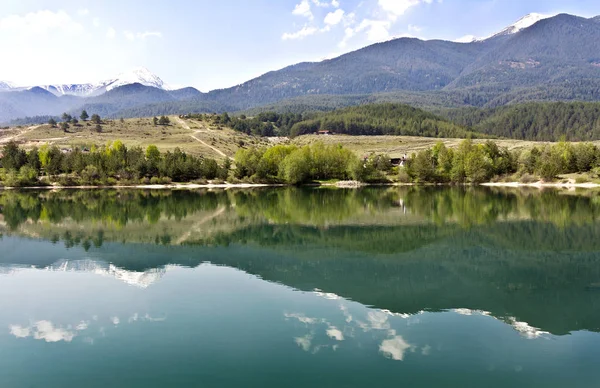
point(537, 51)
point(523, 23)
point(6, 86)
point(538, 58)
point(139, 75)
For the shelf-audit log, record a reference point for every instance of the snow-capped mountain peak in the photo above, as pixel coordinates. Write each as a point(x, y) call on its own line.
point(523, 23)
point(5, 85)
point(139, 75)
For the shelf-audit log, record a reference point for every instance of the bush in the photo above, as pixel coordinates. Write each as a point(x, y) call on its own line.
point(403, 176)
point(527, 178)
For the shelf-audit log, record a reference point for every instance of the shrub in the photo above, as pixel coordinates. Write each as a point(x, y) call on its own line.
point(527, 178)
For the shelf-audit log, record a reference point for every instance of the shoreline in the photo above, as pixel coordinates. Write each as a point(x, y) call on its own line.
point(342, 184)
point(543, 185)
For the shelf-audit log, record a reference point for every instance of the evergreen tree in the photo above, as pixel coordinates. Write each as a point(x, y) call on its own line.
point(84, 115)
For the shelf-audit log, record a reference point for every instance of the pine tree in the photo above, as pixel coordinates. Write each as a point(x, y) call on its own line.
point(84, 115)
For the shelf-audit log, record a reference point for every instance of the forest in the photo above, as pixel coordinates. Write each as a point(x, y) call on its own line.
point(548, 121)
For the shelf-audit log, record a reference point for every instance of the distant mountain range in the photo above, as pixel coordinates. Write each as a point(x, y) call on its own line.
point(538, 58)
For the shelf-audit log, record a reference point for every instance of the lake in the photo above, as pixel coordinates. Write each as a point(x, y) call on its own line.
point(452, 287)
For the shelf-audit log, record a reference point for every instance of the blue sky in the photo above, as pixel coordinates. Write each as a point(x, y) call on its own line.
point(212, 44)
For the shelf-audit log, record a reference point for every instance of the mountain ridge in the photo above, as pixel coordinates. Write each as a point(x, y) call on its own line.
point(536, 58)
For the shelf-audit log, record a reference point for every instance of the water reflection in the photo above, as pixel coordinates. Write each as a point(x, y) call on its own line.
point(524, 256)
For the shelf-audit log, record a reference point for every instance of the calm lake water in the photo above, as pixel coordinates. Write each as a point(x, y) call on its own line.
point(300, 288)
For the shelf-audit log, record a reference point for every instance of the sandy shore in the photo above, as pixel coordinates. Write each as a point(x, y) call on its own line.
point(541, 185)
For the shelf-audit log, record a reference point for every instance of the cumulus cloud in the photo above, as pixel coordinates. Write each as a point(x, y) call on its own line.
point(83, 12)
point(396, 8)
point(43, 330)
point(325, 4)
point(395, 348)
point(300, 34)
point(303, 9)
point(20, 331)
point(335, 333)
point(304, 342)
point(39, 23)
point(334, 18)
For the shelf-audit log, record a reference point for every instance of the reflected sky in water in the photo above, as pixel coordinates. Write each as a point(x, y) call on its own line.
point(243, 290)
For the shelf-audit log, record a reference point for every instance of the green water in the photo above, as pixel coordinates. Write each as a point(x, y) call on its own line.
point(300, 288)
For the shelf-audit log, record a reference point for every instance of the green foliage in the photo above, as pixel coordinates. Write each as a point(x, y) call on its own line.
point(96, 119)
point(84, 115)
point(550, 121)
point(109, 164)
point(13, 157)
point(164, 120)
point(295, 165)
point(380, 119)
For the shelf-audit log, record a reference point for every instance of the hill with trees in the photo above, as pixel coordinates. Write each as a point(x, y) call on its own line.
point(576, 121)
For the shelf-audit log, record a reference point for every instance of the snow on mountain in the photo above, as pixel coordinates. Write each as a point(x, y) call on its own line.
point(138, 75)
point(523, 23)
point(5, 86)
point(137, 279)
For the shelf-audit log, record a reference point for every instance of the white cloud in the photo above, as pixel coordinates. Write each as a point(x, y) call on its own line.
point(83, 325)
point(335, 333)
point(304, 342)
point(303, 9)
point(334, 18)
point(96, 22)
point(324, 4)
point(301, 34)
point(396, 8)
point(115, 320)
point(302, 318)
point(20, 331)
point(395, 348)
point(40, 23)
point(377, 30)
point(83, 12)
point(111, 33)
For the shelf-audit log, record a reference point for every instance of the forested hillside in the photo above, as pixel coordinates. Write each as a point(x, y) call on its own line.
point(577, 121)
point(380, 119)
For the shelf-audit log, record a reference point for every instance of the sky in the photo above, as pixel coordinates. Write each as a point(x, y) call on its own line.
point(211, 44)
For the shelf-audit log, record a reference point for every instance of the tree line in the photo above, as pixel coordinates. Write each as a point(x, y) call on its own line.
point(478, 163)
point(107, 165)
